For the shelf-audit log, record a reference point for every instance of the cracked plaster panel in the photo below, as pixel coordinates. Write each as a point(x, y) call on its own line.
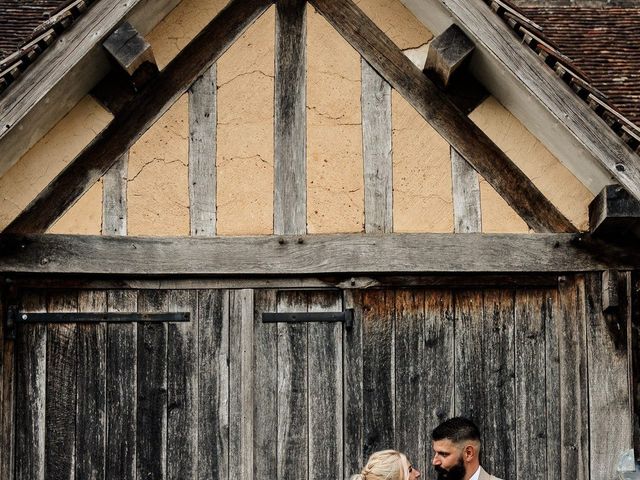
point(245, 132)
point(40, 165)
point(553, 179)
point(394, 19)
point(179, 27)
point(335, 183)
point(157, 195)
point(422, 198)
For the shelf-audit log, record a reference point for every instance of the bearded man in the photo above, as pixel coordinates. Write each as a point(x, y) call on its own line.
point(456, 451)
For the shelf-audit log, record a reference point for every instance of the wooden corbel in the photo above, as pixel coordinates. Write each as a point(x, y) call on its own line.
point(447, 53)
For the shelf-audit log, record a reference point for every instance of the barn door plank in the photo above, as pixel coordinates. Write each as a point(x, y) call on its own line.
point(213, 384)
point(552, 384)
point(353, 385)
point(91, 394)
point(182, 388)
point(121, 374)
point(532, 314)
point(498, 355)
point(7, 399)
point(241, 383)
point(378, 374)
point(151, 439)
point(608, 364)
point(411, 373)
point(62, 346)
point(574, 411)
point(325, 390)
point(292, 390)
point(265, 388)
point(439, 363)
point(31, 355)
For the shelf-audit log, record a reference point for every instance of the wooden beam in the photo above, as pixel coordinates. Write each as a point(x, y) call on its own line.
point(461, 133)
point(290, 189)
point(377, 151)
point(114, 198)
point(610, 287)
point(615, 214)
point(308, 255)
point(138, 115)
point(448, 52)
point(132, 53)
point(68, 69)
point(467, 212)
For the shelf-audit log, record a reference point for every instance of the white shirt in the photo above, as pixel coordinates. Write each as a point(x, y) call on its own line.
point(476, 475)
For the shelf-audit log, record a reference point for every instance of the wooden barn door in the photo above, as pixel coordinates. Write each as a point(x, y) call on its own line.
point(541, 370)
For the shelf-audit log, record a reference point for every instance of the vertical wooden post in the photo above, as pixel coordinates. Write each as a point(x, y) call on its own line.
point(467, 214)
point(7, 395)
point(114, 198)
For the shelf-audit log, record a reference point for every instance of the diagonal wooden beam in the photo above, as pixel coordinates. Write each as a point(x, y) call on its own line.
point(461, 133)
point(138, 115)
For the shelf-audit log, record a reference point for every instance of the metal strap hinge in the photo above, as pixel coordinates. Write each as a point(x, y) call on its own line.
point(302, 317)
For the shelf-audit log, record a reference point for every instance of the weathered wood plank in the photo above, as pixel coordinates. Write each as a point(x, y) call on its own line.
point(458, 130)
point(439, 377)
point(378, 357)
point(138, 115)
point(241, 402)
point(114, 198)
point(610, 291)
point(448, 52)
point(553, 335)
point(293, 441)
point(265, 409)
point(290, 161)
point(91, 390)
point(574, 410)
point(377, 151)
point(467, 212)
point(213, 384)
point(498, 357)
point(182, 388)
point(121, 373)
point(411, 392)
point(325, 390)
point(353, 386)
point(151, 422)
point(203, 118)
point(129, 49)
point(31, 354)
point(632, 311)
point(309, 255)
point(62, 347)
point(608, 368)
point(531, 317)
point(7, 397)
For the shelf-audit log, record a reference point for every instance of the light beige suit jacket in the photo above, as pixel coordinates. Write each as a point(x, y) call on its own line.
point(485, 476)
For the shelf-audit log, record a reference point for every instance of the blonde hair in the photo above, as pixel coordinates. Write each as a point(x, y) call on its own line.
point(385, 465)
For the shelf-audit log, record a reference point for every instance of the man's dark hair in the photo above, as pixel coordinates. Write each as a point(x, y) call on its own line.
point(456, 429)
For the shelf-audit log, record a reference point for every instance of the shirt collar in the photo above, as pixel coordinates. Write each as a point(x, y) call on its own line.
point(476, 475)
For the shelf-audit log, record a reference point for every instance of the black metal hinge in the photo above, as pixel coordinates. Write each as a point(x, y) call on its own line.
point(346, 317)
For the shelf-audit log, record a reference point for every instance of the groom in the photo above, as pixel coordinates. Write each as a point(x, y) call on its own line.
point(456, 451)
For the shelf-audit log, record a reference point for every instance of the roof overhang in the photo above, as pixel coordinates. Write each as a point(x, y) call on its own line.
point(514, 74)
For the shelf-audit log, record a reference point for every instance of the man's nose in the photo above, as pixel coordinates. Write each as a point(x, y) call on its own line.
point(436, 460)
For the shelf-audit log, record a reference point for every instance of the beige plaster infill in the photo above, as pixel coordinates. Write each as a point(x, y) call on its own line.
point(245, 132)
point(553, 179)
point(46, 159)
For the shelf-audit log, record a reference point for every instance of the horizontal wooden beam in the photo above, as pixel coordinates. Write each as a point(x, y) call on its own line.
point(308, 255)
point(458, 130)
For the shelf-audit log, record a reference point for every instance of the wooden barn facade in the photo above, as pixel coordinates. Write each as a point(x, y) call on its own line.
point(263, 239)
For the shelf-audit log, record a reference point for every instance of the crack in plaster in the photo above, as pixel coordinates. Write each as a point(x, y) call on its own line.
point(336, 74)
point(244, 75)
point(155, 160)
point(258, 156)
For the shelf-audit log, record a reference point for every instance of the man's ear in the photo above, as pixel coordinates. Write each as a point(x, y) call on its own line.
point(469, 452)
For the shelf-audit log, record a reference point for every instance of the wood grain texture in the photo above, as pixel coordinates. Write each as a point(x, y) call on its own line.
point(114, 198)
point(460, 132)
point(309, 255)
point(553, 336)
point(378, 378)
point(138, 115)
point(574, 429)
point(182, 388)
point(448, 52)
point(241, 401)
point(290, 130)
point(91, 390)
point(377, 151)
point(122, 346)
point(151, 421)
point(532, 314)
point(213, 384)
point(265, 408)
point(608, 368)
point(31, 353)
point(7, 397)
point(203, 121)
point(62, 348)
point(325, 389)
point(467, 211)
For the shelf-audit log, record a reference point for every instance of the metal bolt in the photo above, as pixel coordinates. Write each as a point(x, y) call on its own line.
point(353, 281)
point(24, 316)
point(281, 241)
point(44, 261)
point(300, 241)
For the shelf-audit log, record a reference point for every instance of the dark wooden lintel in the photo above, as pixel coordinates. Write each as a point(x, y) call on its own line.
point(448, 52)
